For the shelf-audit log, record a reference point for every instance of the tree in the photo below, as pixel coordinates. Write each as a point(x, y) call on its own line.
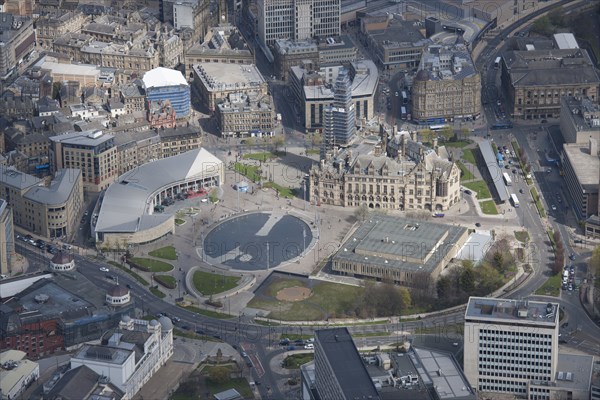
point(219, 375)
point(467, 280)
point(447, 132)
point(426, 135)
point(465, 132)
point(277, 142)
point(213, 196)
point(543, 26)
point(250, 142)
point(361, 212)
point(594, 263)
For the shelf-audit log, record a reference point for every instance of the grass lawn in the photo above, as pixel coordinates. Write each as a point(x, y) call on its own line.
point(296, 360)
point(522, 236)
point(481, 188)
point(327, 299)
point(158, 293)
point(166, 253)
point(458, 143)
point(249, 171)
point(313, 151)
point(294, 336)
point(179, 221)
point(538, 202)
point(468, 156)
point(281, 190)
point(488, 207)
point(551, 287)
point(263, 156)
point(465, 173)
point(153, 265)
point(130, 272)
point(208, 313)
point(167, 279)
point(207, 283)
point(239, 384)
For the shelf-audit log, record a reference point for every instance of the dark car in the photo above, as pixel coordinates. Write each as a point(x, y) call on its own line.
point(128, 286)
point(562, 341)
point(477, 224)
point(544, 121)
point(572, 257)
point(284, 342)
point(564, 325)
point(187, 328)
point(199, 332)
point(290, 348)
point(520, 190)
point(468, 192)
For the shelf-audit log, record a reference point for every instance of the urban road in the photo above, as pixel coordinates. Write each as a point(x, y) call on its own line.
point(262, 341)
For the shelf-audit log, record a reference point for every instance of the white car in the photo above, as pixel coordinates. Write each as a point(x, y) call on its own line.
point(553, 207)
point(309, 346)
point(396, 94)
point(104, 269)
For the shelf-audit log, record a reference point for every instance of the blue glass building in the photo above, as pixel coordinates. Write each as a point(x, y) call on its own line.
point(168, 84)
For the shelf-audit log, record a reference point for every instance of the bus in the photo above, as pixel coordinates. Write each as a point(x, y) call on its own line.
point(403, 112)
point(404, 97)
point(497, 62)
point(507, 179)
point(502, 125)
point(436, 128)
point(515, 201)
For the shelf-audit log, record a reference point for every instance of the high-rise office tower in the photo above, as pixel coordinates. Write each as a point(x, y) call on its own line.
point(339, 118)
point(297, 19)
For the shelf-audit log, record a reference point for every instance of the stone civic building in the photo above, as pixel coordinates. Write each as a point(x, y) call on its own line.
point(409, 176)
point(447, 86)
point(534, 81)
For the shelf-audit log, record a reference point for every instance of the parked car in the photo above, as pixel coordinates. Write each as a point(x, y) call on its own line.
point(104, 269)
point(128, 286)
point(176, 319)
point(477, 224)
point(284, 342)
point(520, 190)
point(309, 346)
point(572, 257)
point(468, 192)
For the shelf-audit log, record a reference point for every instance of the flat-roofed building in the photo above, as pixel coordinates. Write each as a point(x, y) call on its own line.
point(16, 373)
point(581, 167)
point(137, 148)
point(534, 81)
point(85, 74)
point(313, 91)
point(315, 52)
point(579, 119)
point(393, 43)
point(242, 116)
point(7, 238)
point(127, 211)
point(93, 152)
point(297, 19)
point(508, 344)
point(338, 367)
point(213, 82)
point(447, 86)
point(407, 252)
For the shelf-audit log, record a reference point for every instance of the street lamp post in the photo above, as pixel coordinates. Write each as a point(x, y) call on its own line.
point(303, 240)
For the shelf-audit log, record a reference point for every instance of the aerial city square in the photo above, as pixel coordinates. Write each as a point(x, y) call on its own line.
point(300, 199)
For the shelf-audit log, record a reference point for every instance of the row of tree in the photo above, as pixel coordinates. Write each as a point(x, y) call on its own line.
point(559, 253)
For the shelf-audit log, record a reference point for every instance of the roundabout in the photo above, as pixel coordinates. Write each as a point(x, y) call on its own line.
point(257, 241)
